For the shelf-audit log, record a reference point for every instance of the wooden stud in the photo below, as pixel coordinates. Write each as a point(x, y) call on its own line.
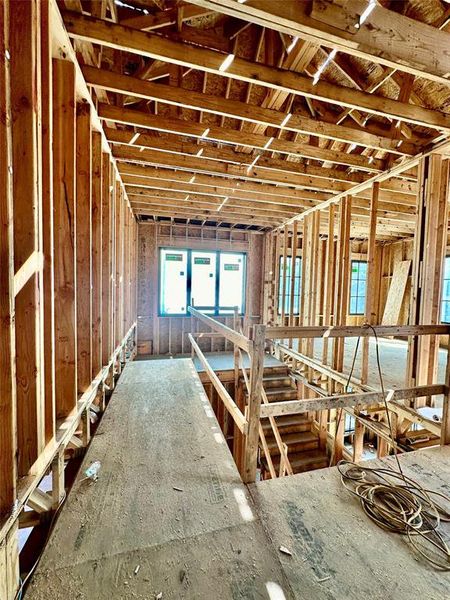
point(83, 229)
point(96, 257)
point(8, 440)
point(64, 236)
point(254, 403)
point(25, 108)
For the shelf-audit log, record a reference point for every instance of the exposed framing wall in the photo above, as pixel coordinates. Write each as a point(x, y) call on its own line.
point(68, 250)
point(168, 335)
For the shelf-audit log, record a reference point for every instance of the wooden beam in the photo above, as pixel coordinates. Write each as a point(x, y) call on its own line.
point(64, 236)
point(279, 333)
point(165, 18)
point(229, 403)
point(96, 258)
point(126, 39)
point(233, 336)
point(8, 407)
point(83, 230)
point(289, 176)
point(106, 258)
point(47, 220)
point(332, 24)
point(254, 403)
point(125, 84)
point(293, 407)
point(369, 311)
point(393, 197)
point(263, 143)
point(25, 108)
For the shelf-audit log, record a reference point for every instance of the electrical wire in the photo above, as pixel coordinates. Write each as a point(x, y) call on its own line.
point(396, 502)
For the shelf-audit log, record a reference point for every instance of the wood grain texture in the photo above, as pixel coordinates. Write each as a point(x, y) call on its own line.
point(64, 232)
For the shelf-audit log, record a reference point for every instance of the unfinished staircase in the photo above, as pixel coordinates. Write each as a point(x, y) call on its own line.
point(296, 431)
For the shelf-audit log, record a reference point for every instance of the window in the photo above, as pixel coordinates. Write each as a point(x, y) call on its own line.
point(445, 307)
point(212, 281)
point(297, 286)
point(358, 282)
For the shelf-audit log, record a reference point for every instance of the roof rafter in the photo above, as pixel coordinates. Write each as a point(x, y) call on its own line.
point(147, 44)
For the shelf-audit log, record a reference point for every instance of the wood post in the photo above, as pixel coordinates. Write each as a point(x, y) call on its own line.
point(254, 403)
point(83, 246)
point(96, 256)
point(24, 50)
point(8, 460)
point(64, 236)
point(369, 312)
point(429, 250)
point(47, 219)
point(58, 486)
point(106, 259)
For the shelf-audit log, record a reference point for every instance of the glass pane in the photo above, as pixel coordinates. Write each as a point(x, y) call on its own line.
point(203, 280)
point(447, 267)
point(446, 293)
point(446, 312)
point(232, 276)
point(353, 303)
point(361, 305)
point(173, 269)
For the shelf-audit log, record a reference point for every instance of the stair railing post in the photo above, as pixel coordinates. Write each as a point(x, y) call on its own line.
point(236, 351)
point(254, 403)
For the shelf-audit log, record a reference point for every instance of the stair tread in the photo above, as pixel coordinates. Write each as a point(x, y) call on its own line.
point(307, 457)
point(275, 377)
point(281, 390)
point(296, 437)
point(287, 419)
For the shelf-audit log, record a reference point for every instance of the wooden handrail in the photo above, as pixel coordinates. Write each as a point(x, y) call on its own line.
point(230, 334)
point(228, 401)
point(293, 407)
point(273, 424)
point(279, 333)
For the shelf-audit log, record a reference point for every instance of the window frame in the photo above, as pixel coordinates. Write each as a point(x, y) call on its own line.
point(443, 300)
point(356, 314)
point(188, 291)
point(297, 276)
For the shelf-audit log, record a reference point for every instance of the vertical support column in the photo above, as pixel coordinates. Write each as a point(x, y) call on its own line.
point(83, 247)
point(329, 279)
point(106, 260)
point(86, 427)
point(47, 220)
point(25, 108)
point(236, 351)
point(358, 440)
point(97, 280)
point(8, 464)
point(341, 309)
point(64, 236)
point(58, 486)
point(254, 403)
point(369, 312)
point(429, 250)
point(293, 276)
point(283, 280)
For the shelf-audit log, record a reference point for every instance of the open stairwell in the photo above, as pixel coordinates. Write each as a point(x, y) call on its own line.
point(296, 431)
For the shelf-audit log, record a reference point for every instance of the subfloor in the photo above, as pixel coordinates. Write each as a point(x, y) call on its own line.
point(219, 361)
point(393, 360)
point(170, 518)
point(393, 356)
